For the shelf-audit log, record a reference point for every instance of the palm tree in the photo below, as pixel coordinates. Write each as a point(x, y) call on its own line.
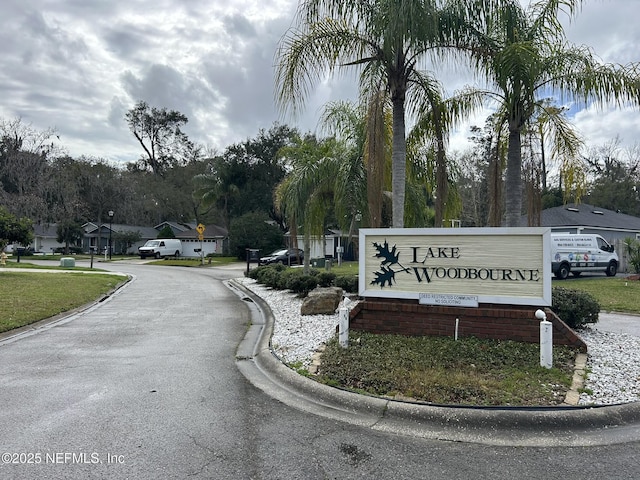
point(366, 131)
point(212, 190)
point(307, 192)
point(387, 40)
point(551, 125)
point(523, 53)
point(436, 117)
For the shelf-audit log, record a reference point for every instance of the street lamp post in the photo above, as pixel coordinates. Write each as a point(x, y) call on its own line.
point(110, 223)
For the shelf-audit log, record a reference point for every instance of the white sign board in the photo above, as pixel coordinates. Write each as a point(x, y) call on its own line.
point(457, 266)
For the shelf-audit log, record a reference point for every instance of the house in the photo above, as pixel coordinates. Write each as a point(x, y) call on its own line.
point(331, 245)
point(96, 237)
point(45, 238)
point(215, 240)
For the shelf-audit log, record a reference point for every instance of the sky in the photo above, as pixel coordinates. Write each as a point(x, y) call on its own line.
point(78, 66)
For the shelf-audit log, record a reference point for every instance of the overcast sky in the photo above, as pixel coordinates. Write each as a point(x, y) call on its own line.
point(79, 65)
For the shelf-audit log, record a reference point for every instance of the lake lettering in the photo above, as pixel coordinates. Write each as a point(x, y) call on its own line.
point(434, 252)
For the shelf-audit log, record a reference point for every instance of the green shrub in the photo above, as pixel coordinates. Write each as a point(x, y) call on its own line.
point(326, 279)
point(282, 277)
point(72, 250)
point(166, 232)
point(575, 307)
point(288, 276)
point(268, 275)
point(257, 272)
point(303, 284)
point(348, 283)
point(253, 273)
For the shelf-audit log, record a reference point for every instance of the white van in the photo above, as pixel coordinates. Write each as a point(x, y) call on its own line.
point(576, 253)
point(162, 247)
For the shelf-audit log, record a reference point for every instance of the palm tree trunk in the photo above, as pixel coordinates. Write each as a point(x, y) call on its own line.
point(513, 181)
point(307, 252)
point(375, 158)
point(441, 170)
point(494, 218)
point(398, 162)
point(543, 160)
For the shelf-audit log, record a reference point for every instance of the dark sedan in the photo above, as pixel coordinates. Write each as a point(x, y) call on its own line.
point(285, 256)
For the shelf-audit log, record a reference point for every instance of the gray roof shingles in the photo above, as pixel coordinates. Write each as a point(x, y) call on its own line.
point(584, 215)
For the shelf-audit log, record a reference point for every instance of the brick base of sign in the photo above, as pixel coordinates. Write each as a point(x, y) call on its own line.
point(500, 322)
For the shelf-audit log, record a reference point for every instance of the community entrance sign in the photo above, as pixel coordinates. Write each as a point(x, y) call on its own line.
point(458, 267)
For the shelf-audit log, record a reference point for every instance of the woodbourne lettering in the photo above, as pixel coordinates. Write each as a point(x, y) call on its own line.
point(465, 273)
point(471, 273)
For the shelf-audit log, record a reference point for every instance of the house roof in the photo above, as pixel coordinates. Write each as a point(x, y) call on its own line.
point(93, 229)
point(145, 232)
point(179, 226)
point(210, 231)
point(329, 232)
point(584, 215)
point(45, 230)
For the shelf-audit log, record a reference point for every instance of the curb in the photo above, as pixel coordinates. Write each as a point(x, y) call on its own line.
point(509, 426)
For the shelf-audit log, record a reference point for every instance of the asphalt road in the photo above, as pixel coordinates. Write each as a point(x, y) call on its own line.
point(145, 385)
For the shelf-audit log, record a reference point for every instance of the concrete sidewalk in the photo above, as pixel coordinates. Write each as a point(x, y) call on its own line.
point(618, 323)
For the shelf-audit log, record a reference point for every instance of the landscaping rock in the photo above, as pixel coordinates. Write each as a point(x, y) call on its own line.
point(322, 301)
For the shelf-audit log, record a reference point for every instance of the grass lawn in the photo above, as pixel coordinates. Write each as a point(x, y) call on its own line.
point(441, 370)
point(616, 294)
point(347, 268)
point(28, 297)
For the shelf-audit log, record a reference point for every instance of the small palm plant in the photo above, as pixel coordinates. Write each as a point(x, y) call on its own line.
point(632, 247)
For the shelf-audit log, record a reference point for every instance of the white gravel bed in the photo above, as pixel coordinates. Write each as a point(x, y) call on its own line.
point(295, 337)
point(613, 358)
point(613, 361)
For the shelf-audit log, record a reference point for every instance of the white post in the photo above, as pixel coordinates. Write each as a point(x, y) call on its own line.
point(546, 340)
point(343, 327)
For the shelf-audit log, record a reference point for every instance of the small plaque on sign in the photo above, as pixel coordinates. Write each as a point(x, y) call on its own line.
point(449, 300)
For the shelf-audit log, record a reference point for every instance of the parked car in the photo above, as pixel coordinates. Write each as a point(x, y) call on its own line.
point(285, 256)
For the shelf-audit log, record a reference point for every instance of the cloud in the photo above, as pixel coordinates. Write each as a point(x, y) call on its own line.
point(599, 127)
point(79, 65)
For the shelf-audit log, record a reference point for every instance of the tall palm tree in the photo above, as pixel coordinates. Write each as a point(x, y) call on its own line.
point(524, 55)
point(387, 40)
